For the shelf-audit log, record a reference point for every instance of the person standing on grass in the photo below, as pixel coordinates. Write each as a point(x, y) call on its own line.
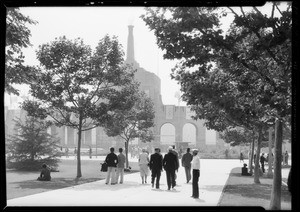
point(75, 153)
point(241, 157)
point(186, 163)
point(170, 164)
point(45, 173)
point(286, 158)
point(67, 152)
point(120, 166)
point(143, 164)
point(196, 174)
point(156, 161)
point(262, 162)
point(112, 161)
point(90, 152)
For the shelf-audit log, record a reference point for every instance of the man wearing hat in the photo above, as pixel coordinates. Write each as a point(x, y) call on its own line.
point(156, 161)
point(196, 173)
point(170, 164)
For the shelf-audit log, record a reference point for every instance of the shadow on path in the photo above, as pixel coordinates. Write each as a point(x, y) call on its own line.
point(55, 183)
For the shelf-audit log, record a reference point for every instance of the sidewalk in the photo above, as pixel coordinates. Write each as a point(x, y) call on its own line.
point(213, 177)
point(133, 193)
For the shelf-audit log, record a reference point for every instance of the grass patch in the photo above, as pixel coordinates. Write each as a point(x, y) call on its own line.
point(242, 191)
point(23, 183)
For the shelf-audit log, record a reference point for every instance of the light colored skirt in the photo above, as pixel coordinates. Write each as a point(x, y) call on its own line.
point(144, 170)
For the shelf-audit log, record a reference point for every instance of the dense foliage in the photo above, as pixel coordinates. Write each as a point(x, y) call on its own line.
point(17, 38)
point(235, 78)
point(134, 123)
point(31, 145)
point(77, 87)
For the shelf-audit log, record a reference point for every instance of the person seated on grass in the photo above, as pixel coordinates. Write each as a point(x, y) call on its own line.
point(245, 170)
point(45, 174)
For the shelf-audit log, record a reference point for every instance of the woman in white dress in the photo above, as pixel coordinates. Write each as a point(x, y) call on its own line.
point(143, 163)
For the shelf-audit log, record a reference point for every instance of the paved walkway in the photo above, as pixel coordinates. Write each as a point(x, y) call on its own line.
point(213, 177)
point(133, 193)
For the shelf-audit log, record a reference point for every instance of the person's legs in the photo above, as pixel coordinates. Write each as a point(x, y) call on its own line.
point(157, 178)
point(194, 183)
point(173, 176)
point(142, 173)
point(153, 175)
point(196, 192)
point(113, 175)
point(109, 170)
point(186, 173)
point(118, 174)
point(121, 175)
point(190, 175)
point(168, 179)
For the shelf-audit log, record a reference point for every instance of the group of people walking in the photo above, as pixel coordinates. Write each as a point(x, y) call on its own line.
point(156, 164)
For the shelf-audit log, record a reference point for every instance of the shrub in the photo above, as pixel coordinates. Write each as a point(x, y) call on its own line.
point(35, 165)
point(31, 145)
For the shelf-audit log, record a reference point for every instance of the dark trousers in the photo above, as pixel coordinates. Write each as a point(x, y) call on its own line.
point(155, 174)
point(263, 167)
point(170, 178)
point(196, 175)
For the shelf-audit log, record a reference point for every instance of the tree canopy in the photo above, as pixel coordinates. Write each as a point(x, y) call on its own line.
point(233, 77)
point(133, 123)
point(77, 87)
point(17, 38)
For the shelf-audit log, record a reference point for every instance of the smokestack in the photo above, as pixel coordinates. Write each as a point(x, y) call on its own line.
point(130, 45)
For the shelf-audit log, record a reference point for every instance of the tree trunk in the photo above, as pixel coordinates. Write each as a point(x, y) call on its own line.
point(126, 153)
point(256, 168)
point(275, 203)
point(78, 149)
point(270, 158)
point(251, 156)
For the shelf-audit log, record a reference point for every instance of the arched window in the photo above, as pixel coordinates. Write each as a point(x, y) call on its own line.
point(189, 134)
point(167, 134)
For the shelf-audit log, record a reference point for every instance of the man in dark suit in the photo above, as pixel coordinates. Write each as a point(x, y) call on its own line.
point(156, 161)
point(170, 164)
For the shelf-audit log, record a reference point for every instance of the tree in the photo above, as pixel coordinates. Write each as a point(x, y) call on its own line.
point(78, 88)
point(255, 54)
point(31, 145)
point(134, 123)
point(17, 37)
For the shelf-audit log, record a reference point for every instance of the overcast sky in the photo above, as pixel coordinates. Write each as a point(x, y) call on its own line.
point(93, 23)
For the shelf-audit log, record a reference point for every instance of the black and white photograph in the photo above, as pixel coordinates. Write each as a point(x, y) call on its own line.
point(148, 106)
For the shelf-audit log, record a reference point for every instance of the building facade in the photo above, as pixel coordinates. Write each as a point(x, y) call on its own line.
point(173, 124)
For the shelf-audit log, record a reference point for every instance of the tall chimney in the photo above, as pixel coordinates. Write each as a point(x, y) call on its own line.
point(130, 45)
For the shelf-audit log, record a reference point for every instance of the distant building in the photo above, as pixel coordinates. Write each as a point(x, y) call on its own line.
point(173, 124)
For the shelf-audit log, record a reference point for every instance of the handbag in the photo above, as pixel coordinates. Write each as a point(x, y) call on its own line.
point(103, 167)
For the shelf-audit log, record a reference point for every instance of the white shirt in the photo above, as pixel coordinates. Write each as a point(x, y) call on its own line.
point(196, 162)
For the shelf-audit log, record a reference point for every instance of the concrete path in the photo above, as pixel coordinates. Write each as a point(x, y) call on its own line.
point(213, 177)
